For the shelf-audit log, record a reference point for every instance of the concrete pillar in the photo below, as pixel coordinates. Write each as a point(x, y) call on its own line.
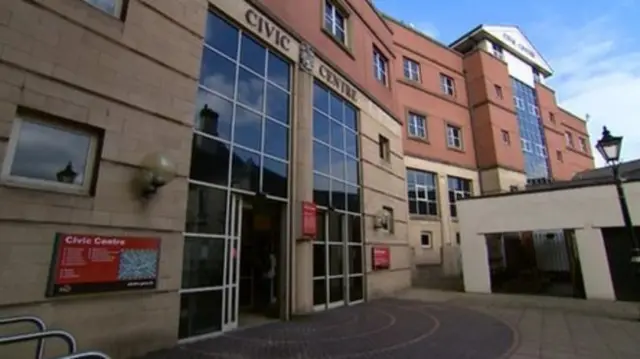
point(302, 155)
point(475, 262)
point(449, 253)
point(594, 264)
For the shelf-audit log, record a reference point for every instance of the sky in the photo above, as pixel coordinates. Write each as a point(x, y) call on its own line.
point(592, 46)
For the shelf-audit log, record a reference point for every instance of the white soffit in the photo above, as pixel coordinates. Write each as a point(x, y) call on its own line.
point(514, 40)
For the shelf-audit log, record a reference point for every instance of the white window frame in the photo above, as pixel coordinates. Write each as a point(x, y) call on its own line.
point(454, 133)
point(526, 145)
point(415, 124)
point(411, 70)
point(429, 234)
point(568, 137)
point(5, 172)
point(520, 104)
point(335, 24)
point(533, 109)
point(447, 85)
point(583, 144)
point(380, 67)
point(117, 8)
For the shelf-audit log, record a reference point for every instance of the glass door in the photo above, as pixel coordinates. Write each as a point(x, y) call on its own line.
point(232, 264)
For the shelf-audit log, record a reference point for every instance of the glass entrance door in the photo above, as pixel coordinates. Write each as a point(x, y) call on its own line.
point(232, 264)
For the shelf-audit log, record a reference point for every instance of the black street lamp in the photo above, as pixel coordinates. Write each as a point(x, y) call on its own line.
point(609, 147)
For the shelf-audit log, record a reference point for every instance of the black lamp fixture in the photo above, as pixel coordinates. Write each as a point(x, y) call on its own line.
point(610, 147)
point(67, 175)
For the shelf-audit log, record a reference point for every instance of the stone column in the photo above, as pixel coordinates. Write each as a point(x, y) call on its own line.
point(594, 264)
point(449, 252)
point(302, 259)
point(475, 262)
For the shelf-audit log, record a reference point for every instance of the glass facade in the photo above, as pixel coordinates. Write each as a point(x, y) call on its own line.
point(337, 249)
point(240, 147)
point(534, 147)
point(422, 192)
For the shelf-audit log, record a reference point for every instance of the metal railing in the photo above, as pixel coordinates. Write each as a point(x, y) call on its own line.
point(43, 333)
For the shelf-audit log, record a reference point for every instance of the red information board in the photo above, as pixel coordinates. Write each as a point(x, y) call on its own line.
point(381, 258)
point(91, 263)
point(309, 219)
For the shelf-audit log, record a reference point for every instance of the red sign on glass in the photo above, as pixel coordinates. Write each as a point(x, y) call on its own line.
point(309, 219)
point(381, 258)
point(92, 263)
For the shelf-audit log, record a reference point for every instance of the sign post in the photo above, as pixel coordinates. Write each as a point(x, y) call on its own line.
point(93, 264)
point(309, 229)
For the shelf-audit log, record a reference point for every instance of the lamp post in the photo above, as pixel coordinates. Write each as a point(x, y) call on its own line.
point(609, 147)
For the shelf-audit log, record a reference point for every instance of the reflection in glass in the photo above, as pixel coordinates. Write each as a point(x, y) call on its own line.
point(277, 104)
point(350, 117)
point(321, 230)
point(276, 141)
point(319, 291)
point(250, 90)
point(353, 199)
point(215, 118)
point(336, 108)
point(200, 313)
point(338, 195)
point(351, 144)
point(321, 127)
point(217, 73)
point(206, 210)
point(336, 290)
point(209, 160)
point(336, 259)
point(275, 175)
point(50, 153)
point(203, 262)
point(337, 164)
point(320, 98)
point(321, 158)
point(221, 35)
point(355, 259)
point(245, 173)
point(321, 190)
point(356, 289)
point(278, 71)
point(353, 171)
point(247, 128)
point(335, 227)
point(337, 135)
point(354, 230)
point(319, 260)
point(252, 54)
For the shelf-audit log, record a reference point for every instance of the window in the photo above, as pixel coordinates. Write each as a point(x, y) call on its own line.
point(335, 22)
point(111, 7)
point(569, 139)
point(380, 66)
point(388, 214)
point(51, 155)
point(533, 109)
point(496, 50)
point(552, 118)
point(447, 85)
point(422, 192)
point(583, 144)
point(454, 137)
point(458, 188)
point(506, 138)
point(411, 70)
point(520, 104)
point(526, 145)
point(559, 155)
point(417, 126)
point(498, 91)
point(425, 239)
point(458, 238)
point(384, 146)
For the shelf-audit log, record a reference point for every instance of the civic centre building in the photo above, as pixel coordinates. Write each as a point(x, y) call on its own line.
point(173, 170)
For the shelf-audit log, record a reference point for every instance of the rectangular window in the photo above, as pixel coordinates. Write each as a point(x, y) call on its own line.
point(454, 137)
point(385, 148)
point(496, 50)
point(422, 192)
point(506, 138)
point(411, 70)
point(552, 118)
point(458, 188)
point(380, 66)
point(50, 154)
point(520, 104)
point(569, 139)
point(559, 155)
point(526, 145)
point(425, 239)
point(111, 7)
point(335, 21)
point(417, 126)
point(447, 85)
point(533, 109)
point(498, 91)
point(583, 144)
point(388, 213)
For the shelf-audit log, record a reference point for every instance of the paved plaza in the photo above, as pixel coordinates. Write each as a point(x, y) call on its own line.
point(432, 324)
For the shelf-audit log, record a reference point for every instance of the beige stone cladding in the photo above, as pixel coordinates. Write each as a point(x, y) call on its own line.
point(499, 180)
point(443, 228)
point(70, 60)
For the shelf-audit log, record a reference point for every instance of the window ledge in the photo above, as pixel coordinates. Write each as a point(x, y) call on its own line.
point(456, 149)
point(419, 139)
point(42, 187)
point(422, 217)
point(340, 44)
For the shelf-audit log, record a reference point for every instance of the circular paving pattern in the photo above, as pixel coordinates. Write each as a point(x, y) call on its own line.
point(386, 328)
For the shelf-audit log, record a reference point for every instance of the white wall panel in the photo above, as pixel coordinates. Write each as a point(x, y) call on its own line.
point(519, 69)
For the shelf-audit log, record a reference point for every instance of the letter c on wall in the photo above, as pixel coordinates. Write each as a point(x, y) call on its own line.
point(251, 16)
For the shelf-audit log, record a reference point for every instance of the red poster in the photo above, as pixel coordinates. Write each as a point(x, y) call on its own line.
point(309, 219)
point(92, 263)
point(381, 258)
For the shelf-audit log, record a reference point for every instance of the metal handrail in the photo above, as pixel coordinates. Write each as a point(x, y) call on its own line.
point(29, 319)
point(86, 355)
point(25, 337)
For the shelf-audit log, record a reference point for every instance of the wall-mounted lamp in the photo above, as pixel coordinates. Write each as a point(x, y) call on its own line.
point(156, 171)
point(381, 220)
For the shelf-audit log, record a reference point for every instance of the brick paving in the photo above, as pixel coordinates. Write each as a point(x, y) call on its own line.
point(387, 328)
